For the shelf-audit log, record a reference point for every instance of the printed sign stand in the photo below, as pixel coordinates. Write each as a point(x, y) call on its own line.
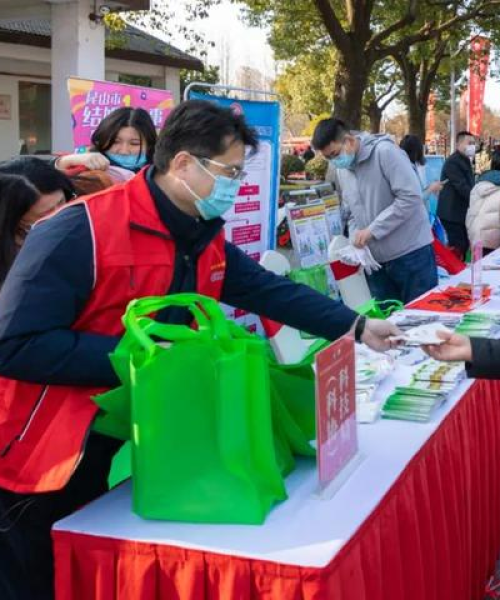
point(337, 447)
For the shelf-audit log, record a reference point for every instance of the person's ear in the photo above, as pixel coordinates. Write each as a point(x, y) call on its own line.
point(181, 162)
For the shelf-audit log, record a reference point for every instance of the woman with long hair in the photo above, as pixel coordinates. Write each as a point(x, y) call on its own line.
point(124, 141)
point(19, 200)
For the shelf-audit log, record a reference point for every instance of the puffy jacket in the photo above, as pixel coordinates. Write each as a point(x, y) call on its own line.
point(483, 216)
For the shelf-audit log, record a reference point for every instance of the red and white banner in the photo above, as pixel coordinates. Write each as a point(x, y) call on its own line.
point(478, 71)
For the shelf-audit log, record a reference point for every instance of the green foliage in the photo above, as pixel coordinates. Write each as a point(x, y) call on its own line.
point(309, 130)
point(316, 168)
point(306, 84)
point(291, 164)
point(209, 75)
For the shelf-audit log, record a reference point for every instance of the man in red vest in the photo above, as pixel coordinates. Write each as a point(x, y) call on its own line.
point(60, 317)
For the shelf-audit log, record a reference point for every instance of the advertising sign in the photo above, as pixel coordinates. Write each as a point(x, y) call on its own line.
point(92, 101)
point(336, 427)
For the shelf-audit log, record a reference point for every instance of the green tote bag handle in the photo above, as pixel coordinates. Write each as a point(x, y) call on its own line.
point(206, 311)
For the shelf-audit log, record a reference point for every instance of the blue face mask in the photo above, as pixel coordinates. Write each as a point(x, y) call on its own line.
point(131, 162)
point(221, 198)
point(343, 161)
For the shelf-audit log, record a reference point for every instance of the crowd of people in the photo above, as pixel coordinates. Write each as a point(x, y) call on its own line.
point(84, 234)
point(154, 228)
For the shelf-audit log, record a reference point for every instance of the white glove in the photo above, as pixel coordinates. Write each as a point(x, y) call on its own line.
point(350, 255)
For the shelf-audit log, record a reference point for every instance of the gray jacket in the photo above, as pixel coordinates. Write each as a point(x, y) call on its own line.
point(382, 192)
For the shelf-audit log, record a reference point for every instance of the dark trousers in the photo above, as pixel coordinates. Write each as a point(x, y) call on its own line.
point(405, 278)
point(457, 236)
point(26, 559)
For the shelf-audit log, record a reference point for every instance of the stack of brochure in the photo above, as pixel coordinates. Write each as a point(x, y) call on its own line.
point(428, 389)
point(479, 324)
point(371, 369)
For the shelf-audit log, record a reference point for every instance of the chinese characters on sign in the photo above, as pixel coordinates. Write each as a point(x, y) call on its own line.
point(337, 440)
point(93, 101)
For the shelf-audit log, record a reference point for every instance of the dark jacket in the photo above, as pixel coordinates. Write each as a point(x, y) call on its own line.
point(51, 281)
point(485, 359)
point(455, 197)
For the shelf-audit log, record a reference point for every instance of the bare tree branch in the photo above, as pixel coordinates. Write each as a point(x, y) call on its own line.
point(333, 25)
point(392, 97)
point(431, 30)
point(385, 92)
point(408, 19)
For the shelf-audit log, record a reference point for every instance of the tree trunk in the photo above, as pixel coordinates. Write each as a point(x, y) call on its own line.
point(374, 113)
point(350, 84)
point(417, 119)
point(417, 110)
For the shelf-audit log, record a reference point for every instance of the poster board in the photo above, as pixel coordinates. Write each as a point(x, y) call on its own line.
point(91, 101)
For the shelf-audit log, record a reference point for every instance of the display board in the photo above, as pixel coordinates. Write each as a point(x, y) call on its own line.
point(92, 101)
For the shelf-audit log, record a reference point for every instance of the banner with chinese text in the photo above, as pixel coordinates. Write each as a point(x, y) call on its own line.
point(478, 71)
point(92, 101)
point(336, 427)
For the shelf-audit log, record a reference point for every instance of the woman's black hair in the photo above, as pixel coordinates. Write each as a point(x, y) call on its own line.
point(412, 145)
point(17, 196)
point(495, 160)
point(46, 178)
point(138, 118)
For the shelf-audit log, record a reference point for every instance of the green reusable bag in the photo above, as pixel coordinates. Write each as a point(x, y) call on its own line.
point(294, 408)
point(202, 439)
point(114, 417)
point(379, 309)
point(314, 277)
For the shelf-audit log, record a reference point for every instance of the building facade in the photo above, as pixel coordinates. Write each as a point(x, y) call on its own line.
point(43, 42)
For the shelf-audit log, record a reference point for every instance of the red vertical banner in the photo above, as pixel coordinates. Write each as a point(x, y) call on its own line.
point(337, 436)
point(478, 71)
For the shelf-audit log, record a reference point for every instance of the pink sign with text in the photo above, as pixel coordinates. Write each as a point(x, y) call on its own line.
point(92, 101)
point(336, 428)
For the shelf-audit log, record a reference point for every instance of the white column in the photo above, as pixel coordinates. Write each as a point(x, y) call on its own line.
point(77, 51)
point(173, 83)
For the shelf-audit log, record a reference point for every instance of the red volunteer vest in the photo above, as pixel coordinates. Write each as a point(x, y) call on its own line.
point(43, 428)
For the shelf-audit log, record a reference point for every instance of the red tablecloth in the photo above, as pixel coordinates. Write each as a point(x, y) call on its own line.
point(435, 536)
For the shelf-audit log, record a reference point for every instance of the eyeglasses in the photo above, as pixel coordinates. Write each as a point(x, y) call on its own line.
point(232, 171)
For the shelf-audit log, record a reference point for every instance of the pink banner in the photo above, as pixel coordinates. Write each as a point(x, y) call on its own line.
point(92, 101)
point(478, 71)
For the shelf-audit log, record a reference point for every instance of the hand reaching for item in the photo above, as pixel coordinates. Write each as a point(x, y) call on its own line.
point(455, 347)
point(378, 335)
point(93, 161)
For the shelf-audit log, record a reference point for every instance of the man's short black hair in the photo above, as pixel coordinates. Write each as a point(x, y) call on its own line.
point(462, 134)
point(203, 129)
point(327, 131)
